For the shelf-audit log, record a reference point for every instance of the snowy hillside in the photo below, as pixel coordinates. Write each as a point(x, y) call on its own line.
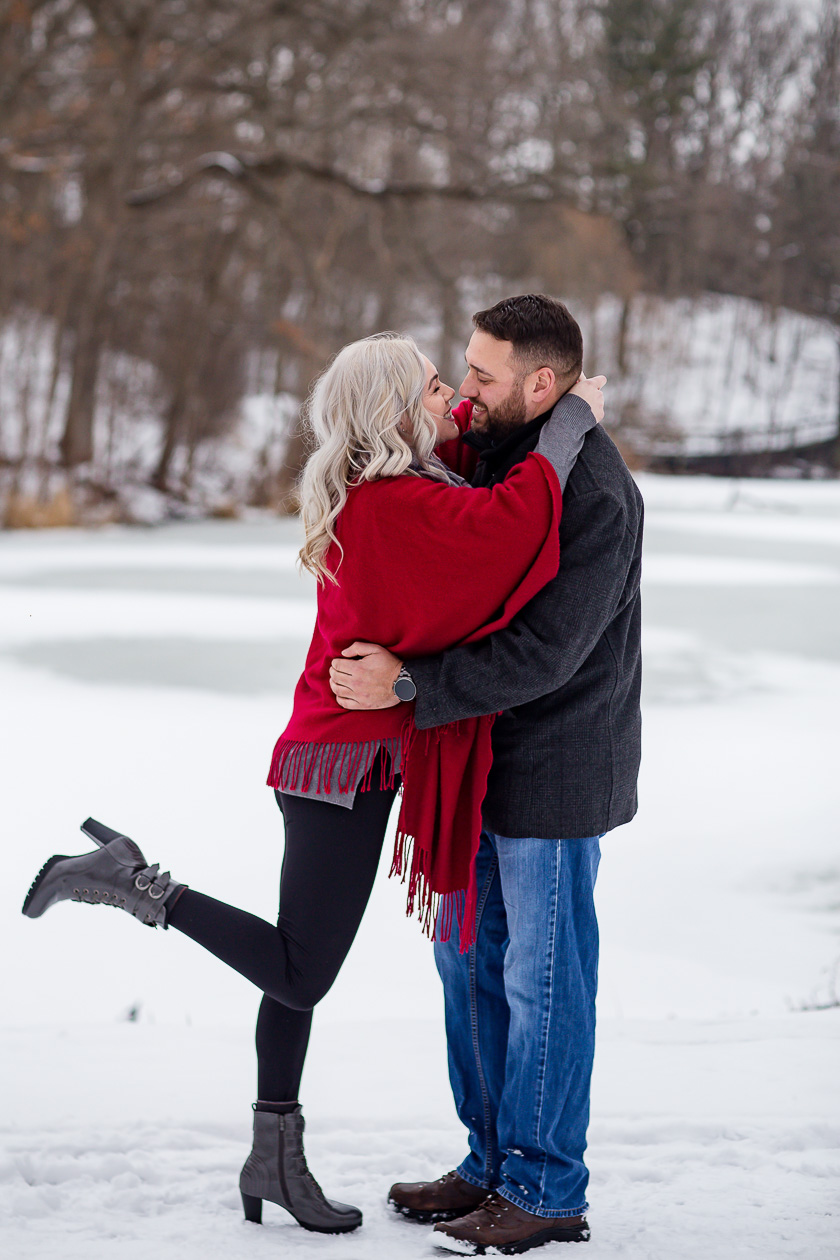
point(127, 436)
point(696, 370)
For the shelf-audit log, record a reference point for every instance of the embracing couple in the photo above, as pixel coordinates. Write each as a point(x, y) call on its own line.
point(477, 643)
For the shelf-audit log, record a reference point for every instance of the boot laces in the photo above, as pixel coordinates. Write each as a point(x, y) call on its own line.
point(98, 896)
point(495, 1206)
point(302, 1169)
point(299, 1164)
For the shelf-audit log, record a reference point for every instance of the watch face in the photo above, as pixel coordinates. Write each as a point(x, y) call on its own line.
point(404, 689)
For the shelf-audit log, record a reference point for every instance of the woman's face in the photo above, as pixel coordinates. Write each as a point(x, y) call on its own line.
point(437, 398)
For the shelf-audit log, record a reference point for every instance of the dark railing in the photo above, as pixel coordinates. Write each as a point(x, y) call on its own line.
point(810, 431)
point(819, 460)
point(809, 448)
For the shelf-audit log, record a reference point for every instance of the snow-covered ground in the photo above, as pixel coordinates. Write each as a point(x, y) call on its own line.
point(144, 677)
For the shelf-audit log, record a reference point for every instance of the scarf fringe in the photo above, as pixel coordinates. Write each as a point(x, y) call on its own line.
point(437, 912)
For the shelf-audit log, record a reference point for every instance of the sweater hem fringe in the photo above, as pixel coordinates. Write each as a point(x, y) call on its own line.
point(295, 763)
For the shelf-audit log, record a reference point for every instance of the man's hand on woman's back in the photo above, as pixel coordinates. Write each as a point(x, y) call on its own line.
point(363, 677)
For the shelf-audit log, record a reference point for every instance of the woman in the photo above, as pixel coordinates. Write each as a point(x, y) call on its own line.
point(395, 542)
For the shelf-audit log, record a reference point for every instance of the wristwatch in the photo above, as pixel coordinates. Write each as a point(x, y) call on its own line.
point(404, 687)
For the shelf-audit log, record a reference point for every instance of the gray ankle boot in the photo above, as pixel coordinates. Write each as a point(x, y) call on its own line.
point(276, 1170)
point(115, 874)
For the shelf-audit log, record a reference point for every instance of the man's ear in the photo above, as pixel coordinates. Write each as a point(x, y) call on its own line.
point(542, 383)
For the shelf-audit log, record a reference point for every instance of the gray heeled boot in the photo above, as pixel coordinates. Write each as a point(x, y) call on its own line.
point(115, 874)
point(276, 1170)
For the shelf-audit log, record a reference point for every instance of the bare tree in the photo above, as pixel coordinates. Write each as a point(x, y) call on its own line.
point(203, 186)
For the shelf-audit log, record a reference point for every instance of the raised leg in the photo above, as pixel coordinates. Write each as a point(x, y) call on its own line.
point(329, 865)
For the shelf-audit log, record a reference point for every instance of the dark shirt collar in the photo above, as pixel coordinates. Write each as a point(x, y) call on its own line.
point(495, 455)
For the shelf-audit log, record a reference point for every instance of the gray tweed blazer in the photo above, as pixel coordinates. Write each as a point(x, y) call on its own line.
point(567, 671)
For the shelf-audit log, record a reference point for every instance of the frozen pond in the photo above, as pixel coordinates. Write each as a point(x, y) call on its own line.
point(740, 579)
point(145, 675)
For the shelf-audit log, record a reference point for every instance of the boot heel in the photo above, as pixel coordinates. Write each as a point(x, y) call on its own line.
point(252, 1207)
point(99, 833)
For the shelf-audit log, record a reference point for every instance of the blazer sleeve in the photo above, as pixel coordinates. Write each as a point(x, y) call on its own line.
point(549, 639)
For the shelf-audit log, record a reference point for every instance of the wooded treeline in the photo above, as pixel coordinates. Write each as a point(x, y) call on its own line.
point(229, 192)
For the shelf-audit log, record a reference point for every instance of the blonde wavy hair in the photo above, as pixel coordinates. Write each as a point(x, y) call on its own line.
point(354, 414)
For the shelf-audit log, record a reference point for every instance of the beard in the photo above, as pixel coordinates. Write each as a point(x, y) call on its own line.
point(505, 418)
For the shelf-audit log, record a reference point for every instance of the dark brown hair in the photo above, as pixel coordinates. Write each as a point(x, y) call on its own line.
point(542, 331)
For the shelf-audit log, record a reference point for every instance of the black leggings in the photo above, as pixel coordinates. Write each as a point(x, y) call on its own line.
point(329, 865)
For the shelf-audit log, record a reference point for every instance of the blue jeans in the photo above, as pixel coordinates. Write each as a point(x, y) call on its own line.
point(520, 1021)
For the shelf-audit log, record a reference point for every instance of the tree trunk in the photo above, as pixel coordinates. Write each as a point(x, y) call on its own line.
point(286, 501)
point(450, 365)
point(171, 430)
point(77, 439)
point(837, 440)
point(103, 222)
point(623, 326)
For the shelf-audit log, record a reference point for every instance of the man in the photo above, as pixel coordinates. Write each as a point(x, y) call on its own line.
point(520, 1006)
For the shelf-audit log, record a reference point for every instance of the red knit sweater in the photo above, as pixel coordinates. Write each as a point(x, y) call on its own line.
point(426, 565)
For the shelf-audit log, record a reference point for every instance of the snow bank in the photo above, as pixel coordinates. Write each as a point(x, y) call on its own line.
point(146, 1155)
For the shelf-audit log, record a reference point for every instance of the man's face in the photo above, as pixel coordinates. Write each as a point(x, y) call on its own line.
point(494, 386)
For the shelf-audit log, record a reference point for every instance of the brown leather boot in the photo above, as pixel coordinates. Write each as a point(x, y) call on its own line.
point(508, 1229)
point(443, 1200)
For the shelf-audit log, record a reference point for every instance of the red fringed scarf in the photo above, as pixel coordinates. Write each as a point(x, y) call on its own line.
point(426, 566)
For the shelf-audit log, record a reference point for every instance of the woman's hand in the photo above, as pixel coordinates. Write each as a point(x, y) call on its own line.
point(591, 391)
point(363, 677)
